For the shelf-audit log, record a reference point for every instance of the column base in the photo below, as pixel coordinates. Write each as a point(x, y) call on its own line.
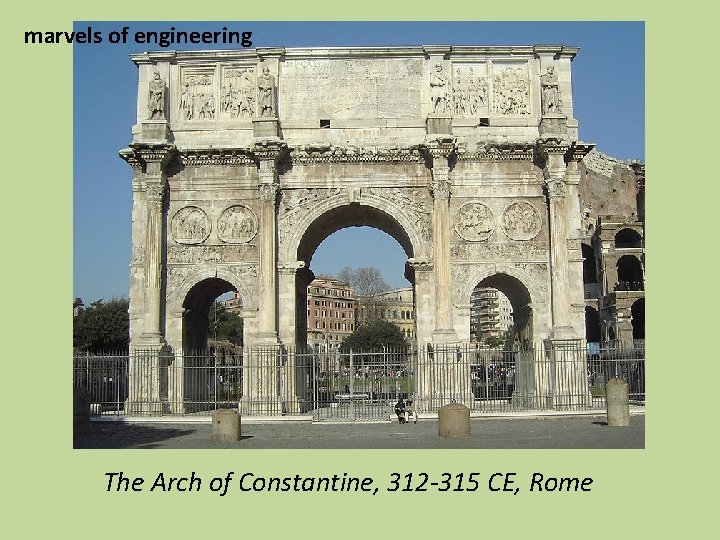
point(257, 406)
point(146, 408)
point(563, 333)
point(444, 336)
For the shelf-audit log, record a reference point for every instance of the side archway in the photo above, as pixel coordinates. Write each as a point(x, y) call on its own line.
point(530, 314)
point(189, 306)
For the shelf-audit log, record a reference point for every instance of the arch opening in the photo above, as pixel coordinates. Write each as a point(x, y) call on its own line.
point(210, 312)
point(590, 279)
point(498, 292)
point(637, 310)
point(330, 311)
point(592, 325)
point(628, 238)
point(630, 274)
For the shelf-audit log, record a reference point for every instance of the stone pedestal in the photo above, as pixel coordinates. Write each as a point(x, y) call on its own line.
point(454, 421)
point(438, 125)
point(147, 379)
point(564, 379)
point(225, 426)
point(266, 127)
point(553, 125)
point(618, 402)
point(262, 382)
point(151, 131)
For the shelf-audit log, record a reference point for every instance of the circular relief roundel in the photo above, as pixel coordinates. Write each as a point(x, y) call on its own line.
point(521, 221)
point(475, 222)
point(237, 225)
point(190, 225)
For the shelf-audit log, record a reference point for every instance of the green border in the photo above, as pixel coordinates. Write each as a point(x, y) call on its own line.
point(51, 489)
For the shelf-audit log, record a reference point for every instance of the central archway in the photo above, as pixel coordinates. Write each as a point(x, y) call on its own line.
point(330, 222)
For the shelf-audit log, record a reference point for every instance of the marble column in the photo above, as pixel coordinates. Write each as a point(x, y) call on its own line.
point(441, 151)
point(148, 377)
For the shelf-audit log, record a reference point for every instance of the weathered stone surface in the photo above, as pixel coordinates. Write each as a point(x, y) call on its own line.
point(454, 421)
point(255, 157)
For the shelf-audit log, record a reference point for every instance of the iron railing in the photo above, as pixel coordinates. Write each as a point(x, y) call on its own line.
point(363, 385)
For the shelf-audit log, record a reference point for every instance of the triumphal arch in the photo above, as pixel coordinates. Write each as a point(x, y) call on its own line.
point(246, 160)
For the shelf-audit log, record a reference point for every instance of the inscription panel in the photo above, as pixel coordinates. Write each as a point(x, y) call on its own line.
point(350, 89)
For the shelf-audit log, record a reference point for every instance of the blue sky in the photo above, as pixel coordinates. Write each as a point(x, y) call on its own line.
point(608, 95)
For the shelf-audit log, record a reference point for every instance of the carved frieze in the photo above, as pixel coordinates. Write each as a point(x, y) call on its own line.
point(189, 254)
point(216, 156)
point(190, 225)
point(504, 251)
point(460, 276)
point(294, 203)
point(293, 199)
point(511, 91)
point(471, 91)
point(138, 253)
point(238, 99)
point(247, 273)
point(237, 225)
point(538, 272)
point(496, 151)
point(475, 222)
point(327, 153)
point(521, 221)
point(197, 93)
point(176, 276)
point(413, 202)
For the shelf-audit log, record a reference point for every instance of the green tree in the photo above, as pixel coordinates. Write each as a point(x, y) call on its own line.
point(224, 325)
point(374, 336)
point(102, 327)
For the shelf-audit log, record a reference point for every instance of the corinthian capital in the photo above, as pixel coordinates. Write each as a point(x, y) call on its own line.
point(268, 192)
point(555, 188)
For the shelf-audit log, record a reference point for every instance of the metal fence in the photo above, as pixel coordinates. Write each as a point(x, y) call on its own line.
point(357, 386)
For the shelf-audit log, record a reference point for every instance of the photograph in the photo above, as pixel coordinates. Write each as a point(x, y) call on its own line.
point(292, 226)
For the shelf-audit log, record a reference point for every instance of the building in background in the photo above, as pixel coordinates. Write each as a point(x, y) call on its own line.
point(612, 199)
point(490, 314)
point(396, 306)
point(331, 306)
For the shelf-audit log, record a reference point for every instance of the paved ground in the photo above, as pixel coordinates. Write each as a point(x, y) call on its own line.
point(516, 433)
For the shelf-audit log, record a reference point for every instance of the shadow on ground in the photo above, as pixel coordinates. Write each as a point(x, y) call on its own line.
point(127, 436)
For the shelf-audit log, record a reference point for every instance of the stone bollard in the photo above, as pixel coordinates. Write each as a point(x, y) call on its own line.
point(81, 412)
point(225, 425)
point(454, 421)
point(618, 402)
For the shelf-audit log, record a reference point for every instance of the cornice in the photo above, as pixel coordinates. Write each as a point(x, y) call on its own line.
point(497, 151)
point(323, 153)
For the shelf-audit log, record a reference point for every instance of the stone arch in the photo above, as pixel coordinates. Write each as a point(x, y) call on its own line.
point(313, 225)
point(629, 273)
point(524, 292)
point(190, 301)
point(335, 213)
point(628, 238)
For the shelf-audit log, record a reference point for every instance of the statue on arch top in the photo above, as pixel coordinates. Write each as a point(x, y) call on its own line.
point(156, 98)
point(266, 93)
point(550, 92)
